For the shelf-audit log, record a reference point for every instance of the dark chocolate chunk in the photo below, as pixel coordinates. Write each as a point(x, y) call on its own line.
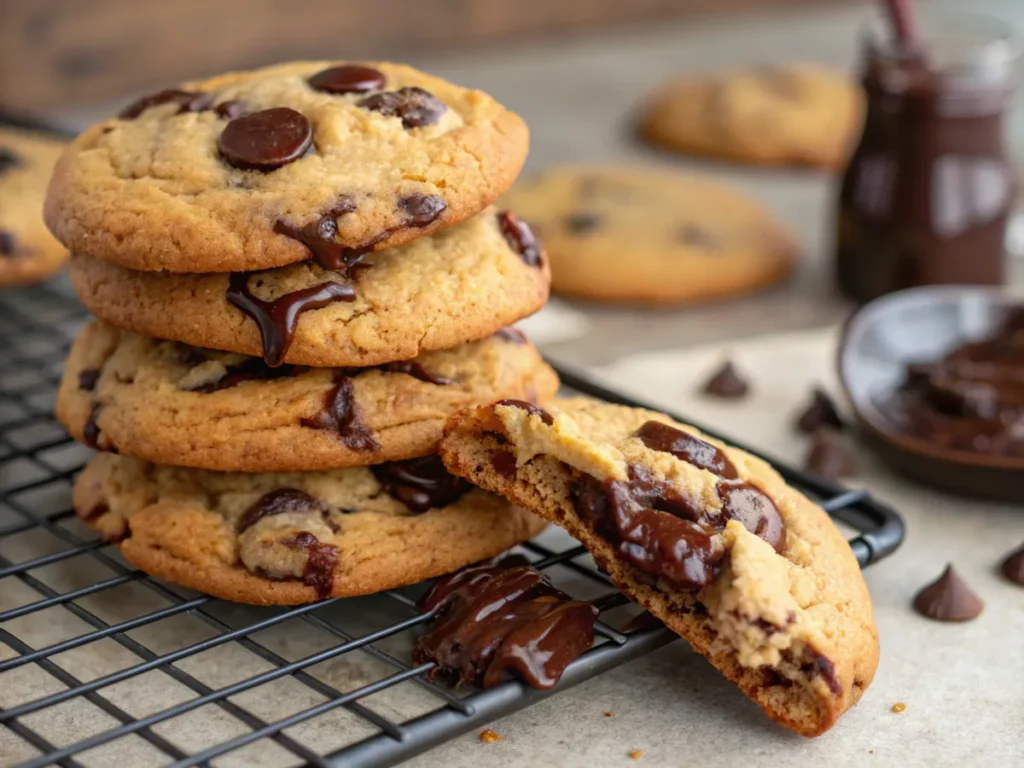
point(229, 110)
point(750, 505)
point(348, 78)
point(8, 243)
point(417, 371)
point(530, 408)
point(659, 436)
point(277, 503)
point(726, 382)
point(319, 236)
point(265, 140)
point(422, 210)
point(505, 463)
point(520, 238)
point(512, 334)
point(581, 222)
point(818, 666)
point(948, 598)
point(420, 484)
point(187, 101)
point(91, 429)
point(1013, 566)
point(820, 412)
point(494, 623)
point(321, 560)
point(250, 369)
point(829, 456)
point(277, 319)
point(87, 379)
point(340, 414)
point(415, 106)
point(9, 159)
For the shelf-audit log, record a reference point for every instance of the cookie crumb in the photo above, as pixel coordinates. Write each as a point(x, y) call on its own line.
point(898, 707)
point(636, 754)
point(487, 736)
point(609, 714)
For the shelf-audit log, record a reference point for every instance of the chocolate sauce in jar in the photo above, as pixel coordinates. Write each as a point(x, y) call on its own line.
point(930, 187)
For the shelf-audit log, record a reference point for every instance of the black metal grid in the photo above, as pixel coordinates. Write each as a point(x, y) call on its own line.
point(38, 462)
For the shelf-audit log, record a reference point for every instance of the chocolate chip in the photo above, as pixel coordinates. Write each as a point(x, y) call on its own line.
point(581, 222)
point(8, 243)
point(266, 140)
point(420, 484)
point(229, 110)
point(691, 234)
point(320, 237)
point(9, 159)
point(279, 502)
point(751, 506)
point(817, 666)
point(187, 101)
point(250, 369)
point(505, 463)
point(91, 429)
point(948, 598)
point(1013, 566)
point(520, 238)
point(321, 560)
point(87, 379)
point(348, 78)
point(530, 408)
point(659, 436)
point(829, 456)
point(511, 334)
point(422, 209)
point(726, 382)
point(415, 106)
point(417, 371)
point(340, 414)
point(820, 412)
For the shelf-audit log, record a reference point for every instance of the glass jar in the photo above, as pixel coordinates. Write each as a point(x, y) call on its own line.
point(930, 188)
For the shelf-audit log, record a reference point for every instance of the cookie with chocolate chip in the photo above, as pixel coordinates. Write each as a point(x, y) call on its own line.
point(303, 161)
point(170, 403)
point(28, 252)
point(792, 115)
point(706, 537)
point(651, 237)
point(288, 538)
point(460, 284)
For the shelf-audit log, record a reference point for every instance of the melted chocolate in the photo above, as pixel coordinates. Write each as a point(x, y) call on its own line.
point(520, 238)
point(277, 503)
point(494, 623)
point(530, 408)
point(417, 371)
point(420, 484)
point(277, 319)
point(340, 414)
point(87, 379)
point(321, 560)
point(250, 369)
point(659, 436)
point(319, 236)
point(422, 210)
point(9, 159)
point(415, 106)
point(752, 507)
point(819, 666)
point(505, 464)
point(187, 101)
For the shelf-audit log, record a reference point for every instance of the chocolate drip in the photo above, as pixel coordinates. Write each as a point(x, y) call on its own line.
point(520, 238)
point(277, 503)
point(420, 484)
point(511, 334)
point(530, 408)
point(494, 623)
point(340, 414)
point(87, 379)
point(321, 560)
point(320, 237)
point(659, 436)
point(250, 369)
point(417, 371)
point(277, 319)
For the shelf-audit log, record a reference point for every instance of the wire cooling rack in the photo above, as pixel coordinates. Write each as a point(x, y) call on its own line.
point(138, 672)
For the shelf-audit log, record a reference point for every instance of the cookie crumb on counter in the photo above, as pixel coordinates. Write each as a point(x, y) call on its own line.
point(487, 736)
point(898, 707)
point(609, 714)
point(636, 754)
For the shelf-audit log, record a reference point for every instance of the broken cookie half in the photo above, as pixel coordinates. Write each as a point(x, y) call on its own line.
point(705, 536)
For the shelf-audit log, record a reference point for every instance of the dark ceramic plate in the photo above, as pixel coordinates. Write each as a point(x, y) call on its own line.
point(919, 325)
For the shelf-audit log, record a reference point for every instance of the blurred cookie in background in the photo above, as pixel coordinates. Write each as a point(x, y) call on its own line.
point(28, 252)
point(651, 237)
point(792, 115)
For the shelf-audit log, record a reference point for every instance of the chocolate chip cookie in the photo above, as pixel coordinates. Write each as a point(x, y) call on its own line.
point(651, 237)
point(798, 114)
point(706, 537)
point(170, 403)
point(28, 253)
point(296, 537)
point(254, 170)
point(459, 284)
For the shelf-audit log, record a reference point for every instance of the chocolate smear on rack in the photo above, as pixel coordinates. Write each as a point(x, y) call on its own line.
point(321, 560)
point(340, 414)
point(520, 238)
point(829, 455)
point(277, 319)
point(1013, 566)
point(265, 140)
point(279, 502)
point(495, 623)
point(726, 382)
point(948, 598)
point(420, 484)
point(820, 412)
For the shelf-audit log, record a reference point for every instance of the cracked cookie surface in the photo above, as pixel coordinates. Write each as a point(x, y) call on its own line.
point(631, 235)
point(289, 538)
point(457, 285)
point(213, 175)
point(170, 403)
point(28, 252)
point(796, 114)
point(706, 537)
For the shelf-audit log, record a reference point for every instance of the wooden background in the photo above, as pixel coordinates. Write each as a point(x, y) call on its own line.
point(65, 53)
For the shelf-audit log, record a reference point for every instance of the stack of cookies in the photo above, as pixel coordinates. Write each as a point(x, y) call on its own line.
point(298, 277)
